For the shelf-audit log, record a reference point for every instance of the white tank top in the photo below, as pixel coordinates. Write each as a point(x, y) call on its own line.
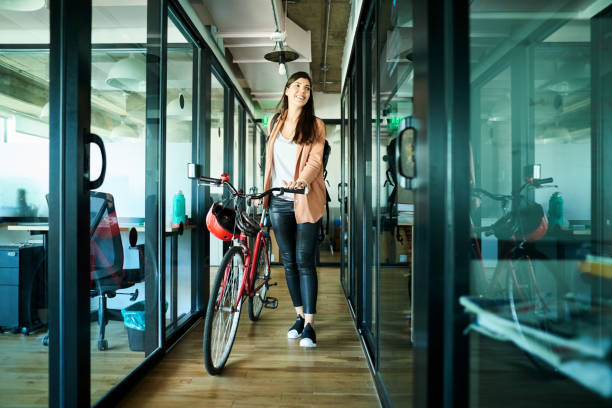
point(284, 163)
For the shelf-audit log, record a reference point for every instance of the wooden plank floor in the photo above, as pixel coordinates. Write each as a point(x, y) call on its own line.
point(24, 360)
point(267, 369)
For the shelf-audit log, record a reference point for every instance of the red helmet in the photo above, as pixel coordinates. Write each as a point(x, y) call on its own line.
point(220, 221)
point(533, 222)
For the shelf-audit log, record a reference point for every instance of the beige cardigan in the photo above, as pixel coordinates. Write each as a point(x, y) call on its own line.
point(309, 207)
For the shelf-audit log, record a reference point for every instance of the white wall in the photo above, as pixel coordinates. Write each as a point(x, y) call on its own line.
point(570, 167)
point(327, 105)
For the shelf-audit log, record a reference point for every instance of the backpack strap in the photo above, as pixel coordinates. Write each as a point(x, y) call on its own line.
point(273, 121)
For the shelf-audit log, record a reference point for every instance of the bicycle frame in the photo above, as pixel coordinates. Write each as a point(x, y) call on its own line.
point(251, 261)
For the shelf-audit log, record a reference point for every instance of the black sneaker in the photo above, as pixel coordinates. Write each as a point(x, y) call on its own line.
point(309, 338)
point(296, 330)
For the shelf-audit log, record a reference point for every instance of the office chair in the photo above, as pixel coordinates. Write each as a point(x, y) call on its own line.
point(106, 259)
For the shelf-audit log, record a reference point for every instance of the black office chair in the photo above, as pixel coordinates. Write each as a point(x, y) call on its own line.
point(106, 254)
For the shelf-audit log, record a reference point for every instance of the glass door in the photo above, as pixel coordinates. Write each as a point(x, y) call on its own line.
point(216, 159)
point(539, 289)
point(396, 203)
point(179, 151)
point(24, 210)
point(123, 293)
point(343, 190)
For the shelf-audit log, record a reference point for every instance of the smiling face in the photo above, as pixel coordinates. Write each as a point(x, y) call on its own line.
point(298, 93)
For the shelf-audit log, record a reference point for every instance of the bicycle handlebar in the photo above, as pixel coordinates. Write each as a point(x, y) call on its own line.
point(501, 197)
point(224, 180)
point(539, 182)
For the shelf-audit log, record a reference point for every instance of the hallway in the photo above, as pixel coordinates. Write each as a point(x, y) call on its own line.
point(267, 369)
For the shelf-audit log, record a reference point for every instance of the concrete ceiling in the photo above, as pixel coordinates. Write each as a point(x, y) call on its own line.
point(243, 28)
point(311, 15)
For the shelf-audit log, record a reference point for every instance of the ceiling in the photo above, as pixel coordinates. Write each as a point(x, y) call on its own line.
point(243, 29)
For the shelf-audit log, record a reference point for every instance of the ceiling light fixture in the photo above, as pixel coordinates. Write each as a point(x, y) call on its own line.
point(179, 108)
point(280, 56)
point(22, 5)
point(128, 74)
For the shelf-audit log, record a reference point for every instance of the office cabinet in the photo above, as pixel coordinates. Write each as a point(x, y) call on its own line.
point(22, 287)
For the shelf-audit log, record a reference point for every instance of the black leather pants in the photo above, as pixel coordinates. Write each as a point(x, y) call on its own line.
point(297, 244)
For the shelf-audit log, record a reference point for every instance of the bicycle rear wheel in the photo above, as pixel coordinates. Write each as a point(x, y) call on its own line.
point(262, 279)
point(222, 315)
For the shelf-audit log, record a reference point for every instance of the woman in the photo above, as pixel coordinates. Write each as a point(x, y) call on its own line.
point(294, 159)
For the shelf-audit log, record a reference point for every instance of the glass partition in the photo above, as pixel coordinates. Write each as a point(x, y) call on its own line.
point(179, 136)
point(24, 184)
point(117, 290)
point(344, 187)
point(250, 149)
point(237, 157)
point(372, 180)
point(396, 204)
point(260, 152)
point(540, 281)
point(329, 249)
point(216, 165)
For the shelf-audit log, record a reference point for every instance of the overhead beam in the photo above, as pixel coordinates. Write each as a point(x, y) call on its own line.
point(249, 45)
point(258, 60)
point(221, 34)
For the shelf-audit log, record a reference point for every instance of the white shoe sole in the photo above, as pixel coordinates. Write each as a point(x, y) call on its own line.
point(306, 342)
point(293, 334)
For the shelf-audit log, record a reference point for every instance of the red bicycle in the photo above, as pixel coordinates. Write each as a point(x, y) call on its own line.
point(242, 273)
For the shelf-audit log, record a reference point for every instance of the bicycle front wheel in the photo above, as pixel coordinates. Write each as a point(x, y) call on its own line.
point(536, 300)
point(223, 312)
point(262, 279)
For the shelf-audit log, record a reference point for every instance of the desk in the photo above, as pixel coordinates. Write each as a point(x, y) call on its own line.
point(172, 233)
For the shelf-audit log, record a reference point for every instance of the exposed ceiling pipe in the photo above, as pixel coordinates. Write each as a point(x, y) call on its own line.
point(279, 43)
point(325, 67)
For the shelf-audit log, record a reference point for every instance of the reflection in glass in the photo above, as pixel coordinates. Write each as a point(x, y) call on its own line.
point(373, 178)
point(539, 294)
point(118, 295)
point(238, 132)
point(329, 249)
point(396, 203)
point(179, 133)
point(24, 183)
point(216, 164)
point(250, 148)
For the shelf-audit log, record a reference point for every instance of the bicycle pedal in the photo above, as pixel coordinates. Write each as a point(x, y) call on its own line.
point(271, 302)
point(273, 284)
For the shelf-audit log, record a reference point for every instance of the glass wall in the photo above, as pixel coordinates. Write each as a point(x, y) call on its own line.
point(118, 88)
point(540, 281)
point(216, 164)
point(250, 149)
point(238, 146)
point(329, 248)
point(344, 188)
point(396, 204)
point(371, 145)
point(24, 184)
point(179, 136)
point(261, 159)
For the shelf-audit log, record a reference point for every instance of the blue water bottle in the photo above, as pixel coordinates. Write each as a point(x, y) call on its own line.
point(555, 210)
point(178, 209)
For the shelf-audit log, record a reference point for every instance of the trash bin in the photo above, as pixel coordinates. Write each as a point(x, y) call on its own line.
point(134, 321)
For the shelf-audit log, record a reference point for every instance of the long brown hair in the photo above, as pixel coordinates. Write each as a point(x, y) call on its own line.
point(304, 129)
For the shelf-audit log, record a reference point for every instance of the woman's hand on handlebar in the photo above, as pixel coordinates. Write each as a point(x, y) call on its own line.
point(298, 184)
